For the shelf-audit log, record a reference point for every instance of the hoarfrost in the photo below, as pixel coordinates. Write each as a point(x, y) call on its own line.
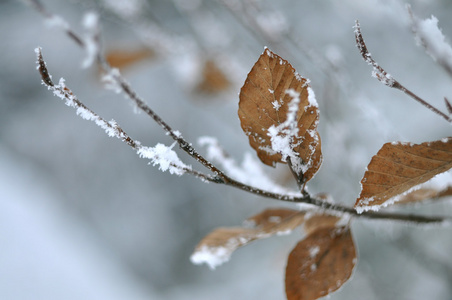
point(110, 81)
point(311, 98)
point(165, 157)
point(439, 182)
point(91, 23)
point(313, 251)
point(429, 35)
point(248, 172)
point(283, 135)
point(212, 256)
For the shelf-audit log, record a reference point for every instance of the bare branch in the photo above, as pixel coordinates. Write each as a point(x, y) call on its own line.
point(384, 77)
point(111, 127)
point(448, 105)
point(430, 37)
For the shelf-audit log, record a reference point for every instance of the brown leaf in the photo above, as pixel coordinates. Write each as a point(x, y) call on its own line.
point(266, 114)
point(277, 220)
point(425, 194)
point(317, 221)
point(213, 78)
point(398, 167)
point(125, 58)
point(217, 247)
point(320, 264)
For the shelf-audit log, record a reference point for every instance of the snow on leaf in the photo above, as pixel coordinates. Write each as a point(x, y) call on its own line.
point(218, 246)
point(399, 168)
point(249, 171)
point(279, 113)
point(320, 264)
point(423, 194)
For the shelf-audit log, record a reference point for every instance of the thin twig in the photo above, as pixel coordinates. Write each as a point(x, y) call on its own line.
point(385, 78)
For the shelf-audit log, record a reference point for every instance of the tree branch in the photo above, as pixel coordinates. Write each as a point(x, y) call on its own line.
point(384, 77)
point(113, 129)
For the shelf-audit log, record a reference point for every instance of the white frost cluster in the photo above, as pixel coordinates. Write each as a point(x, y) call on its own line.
point(91, 23)
point(62, 92)
point(212, 256)
point(165, 157)
point(282, 136)
point(439, 182)
point(428, 35)
point(110, 80)
point(248, 172)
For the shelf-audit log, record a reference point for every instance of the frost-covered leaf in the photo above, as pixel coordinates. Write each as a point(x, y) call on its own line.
point(279, 113)
point(317, 221)
point(425, 194)
point(217, 247)
point(320, 264)
point(399, 167)
point(277, 220)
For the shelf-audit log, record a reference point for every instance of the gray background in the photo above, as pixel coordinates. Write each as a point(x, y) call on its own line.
point(82, 217)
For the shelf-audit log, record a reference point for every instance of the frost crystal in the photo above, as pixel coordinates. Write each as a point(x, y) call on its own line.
point(282, 137)
point(248, 172)
point(432, 39)
point(90, 22)
point(211, 256)
point(110, 81)
point(165, 157)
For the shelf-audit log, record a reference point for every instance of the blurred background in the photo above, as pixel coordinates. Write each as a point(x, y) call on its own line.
point(83, 217)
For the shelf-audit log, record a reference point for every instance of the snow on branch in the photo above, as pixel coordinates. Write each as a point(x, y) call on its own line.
point(160, 155)
point(384, 77)
point(377, 72)
point(428, 35)
point(249, 172)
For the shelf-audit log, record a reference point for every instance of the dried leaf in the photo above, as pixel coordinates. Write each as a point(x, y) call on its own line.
point(317, 221)
point(277, 220)
point(213, 78)
point(125, 58)
point(398, 167)
point(279, 128)
point(320, 264)
point(217, 247)
point(425, 194)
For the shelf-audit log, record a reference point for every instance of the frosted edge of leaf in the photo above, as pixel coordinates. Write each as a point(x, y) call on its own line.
point(365, 203)
point(212, 256)
point(249, 171)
